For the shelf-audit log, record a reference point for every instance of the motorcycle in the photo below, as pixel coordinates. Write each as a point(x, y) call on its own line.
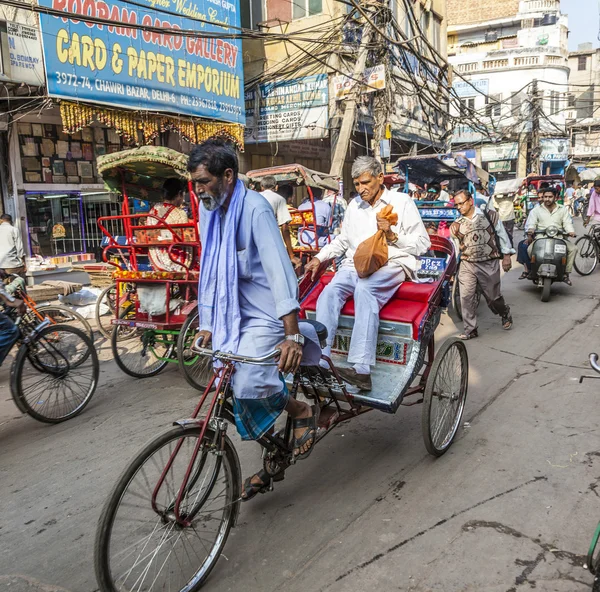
point(548, 260)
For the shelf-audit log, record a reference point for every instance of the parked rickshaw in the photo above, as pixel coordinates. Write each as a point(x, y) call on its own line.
point(154, 301)
point(183, 489)
point(297, 175)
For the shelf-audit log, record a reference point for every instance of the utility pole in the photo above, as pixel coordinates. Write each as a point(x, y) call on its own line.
point(535, 129)
point(343, 141)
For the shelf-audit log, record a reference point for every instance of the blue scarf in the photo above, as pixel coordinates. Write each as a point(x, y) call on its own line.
point(218, 286)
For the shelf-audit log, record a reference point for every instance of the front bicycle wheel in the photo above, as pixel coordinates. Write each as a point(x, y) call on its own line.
point(140, 545)
point(54, 376)
point(196, 369)
point(62, 315)
point(586, 257)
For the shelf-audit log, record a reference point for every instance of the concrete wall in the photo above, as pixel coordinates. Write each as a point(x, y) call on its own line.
point(462, 12)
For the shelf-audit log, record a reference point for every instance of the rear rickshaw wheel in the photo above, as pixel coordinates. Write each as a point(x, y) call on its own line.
point(196, 369)
point(141, 353)
point(445, 396)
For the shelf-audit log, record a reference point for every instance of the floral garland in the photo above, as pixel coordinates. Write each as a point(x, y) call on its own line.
point(127, 124)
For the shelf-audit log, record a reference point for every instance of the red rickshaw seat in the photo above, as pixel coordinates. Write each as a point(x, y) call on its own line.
point(408, 305)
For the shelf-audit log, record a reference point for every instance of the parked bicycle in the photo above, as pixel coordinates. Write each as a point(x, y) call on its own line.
point(588, 250)
point(55, 372)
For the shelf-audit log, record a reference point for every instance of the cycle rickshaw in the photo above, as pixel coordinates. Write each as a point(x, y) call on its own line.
point(303, 221)
point(167, 520)
point(154, 298)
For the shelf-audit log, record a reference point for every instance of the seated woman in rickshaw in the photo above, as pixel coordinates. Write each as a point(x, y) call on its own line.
point(170, 211)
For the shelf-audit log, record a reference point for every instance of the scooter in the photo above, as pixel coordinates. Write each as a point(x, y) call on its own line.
point(548, 260)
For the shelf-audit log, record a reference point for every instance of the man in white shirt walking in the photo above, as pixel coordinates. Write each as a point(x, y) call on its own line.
point(268, 187)
point(12, 255)
point(406, 241)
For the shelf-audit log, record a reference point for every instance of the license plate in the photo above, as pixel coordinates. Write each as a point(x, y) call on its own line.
point(560, 249)
point(432, 265)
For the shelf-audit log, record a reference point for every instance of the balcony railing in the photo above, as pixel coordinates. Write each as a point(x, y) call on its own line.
point(511, 62)
point(495, 64)
point(538, 6)
point(528, 61)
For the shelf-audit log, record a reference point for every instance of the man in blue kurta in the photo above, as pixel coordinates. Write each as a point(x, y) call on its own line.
point(248, 299)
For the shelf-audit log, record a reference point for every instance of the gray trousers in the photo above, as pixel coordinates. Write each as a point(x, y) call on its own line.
point(487, 275)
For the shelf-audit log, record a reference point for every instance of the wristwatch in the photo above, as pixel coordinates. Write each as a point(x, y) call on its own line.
point(298, 338)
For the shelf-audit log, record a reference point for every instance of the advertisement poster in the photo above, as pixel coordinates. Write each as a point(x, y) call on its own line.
point(288, 110)
point(150, 67)
point(554, 149)
point(373, 78)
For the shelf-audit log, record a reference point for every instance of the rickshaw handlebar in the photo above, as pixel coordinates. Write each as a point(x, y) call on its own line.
point(594, 362)
point(266, 360)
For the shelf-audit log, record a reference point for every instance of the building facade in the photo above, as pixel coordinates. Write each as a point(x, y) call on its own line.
point(296, 89)
point(510, 63)
point(583, 117)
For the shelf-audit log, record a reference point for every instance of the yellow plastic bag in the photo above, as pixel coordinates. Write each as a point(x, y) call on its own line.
point(372, 254)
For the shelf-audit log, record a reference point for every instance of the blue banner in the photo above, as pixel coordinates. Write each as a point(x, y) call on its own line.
point(147, 70)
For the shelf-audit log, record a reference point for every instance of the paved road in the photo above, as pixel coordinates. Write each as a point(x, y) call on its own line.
point(511, 507)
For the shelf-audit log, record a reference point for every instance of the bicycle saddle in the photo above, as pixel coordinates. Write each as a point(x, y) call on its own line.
point(320, 328)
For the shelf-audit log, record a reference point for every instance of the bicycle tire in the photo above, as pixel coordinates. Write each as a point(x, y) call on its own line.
point(19, 373)
point(106, 331)
point(197, 370)
point(105, 543)
point(67, 313)
point(117, 344)
point(591, 250)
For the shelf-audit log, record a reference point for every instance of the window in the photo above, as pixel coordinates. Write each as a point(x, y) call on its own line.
point(424, 30)
point(437, 33)
point(571, 100)
point(251, 13)
point(582, 63)
point(554, 102)
point(302, 8)
point(466, 106)
point(493, 105)
point(515, 105)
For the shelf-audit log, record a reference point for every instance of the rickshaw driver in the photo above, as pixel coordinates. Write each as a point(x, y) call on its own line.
point(248, 299)
point(406, 241)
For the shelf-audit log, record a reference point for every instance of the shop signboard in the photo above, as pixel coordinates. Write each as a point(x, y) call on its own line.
point(503, 151)
point(500, 166)
point(149, 66)
point(288, 110)
point(586, 144)
point(25, 62)
point(463, 134)
point(373, 79)
point(554, 149)
point(472, 88)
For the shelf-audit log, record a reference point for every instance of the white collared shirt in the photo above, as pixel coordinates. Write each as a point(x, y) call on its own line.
point(360, 224)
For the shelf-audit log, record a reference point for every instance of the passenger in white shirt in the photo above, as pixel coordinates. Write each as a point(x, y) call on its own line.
point(269, 188)
point(406, 242)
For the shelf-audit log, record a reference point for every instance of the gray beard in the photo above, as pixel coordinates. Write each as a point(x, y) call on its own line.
point(212, 203)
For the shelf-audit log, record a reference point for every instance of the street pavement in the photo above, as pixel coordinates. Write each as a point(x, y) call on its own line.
point(511, 507)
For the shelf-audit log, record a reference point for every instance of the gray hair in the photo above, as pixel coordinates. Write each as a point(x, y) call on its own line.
point(366, 164)
point(268, 182)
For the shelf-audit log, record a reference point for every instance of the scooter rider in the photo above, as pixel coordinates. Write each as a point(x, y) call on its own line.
point(548, 214)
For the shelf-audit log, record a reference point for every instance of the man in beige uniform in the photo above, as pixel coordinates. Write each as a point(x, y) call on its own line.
point(478, 235)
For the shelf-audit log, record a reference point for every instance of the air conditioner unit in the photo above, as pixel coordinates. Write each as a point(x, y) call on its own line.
point(549, 19)
point(491, 36)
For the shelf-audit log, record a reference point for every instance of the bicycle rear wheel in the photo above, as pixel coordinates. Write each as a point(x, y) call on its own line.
point(197, 370)
point(105, 311)
point(139, 544)
point(62, 315)
point(55, 375)
point(141, 353)
point(586, 257)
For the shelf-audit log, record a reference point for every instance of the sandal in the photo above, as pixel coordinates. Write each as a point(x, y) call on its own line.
point(251, 489)
point(507, 321)
point(567, 280)
point(309, 435)
point(524, 275)
point(467, 336)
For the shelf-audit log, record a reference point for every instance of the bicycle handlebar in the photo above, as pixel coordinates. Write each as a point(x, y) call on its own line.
point(594, 362)
point(265, 360)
